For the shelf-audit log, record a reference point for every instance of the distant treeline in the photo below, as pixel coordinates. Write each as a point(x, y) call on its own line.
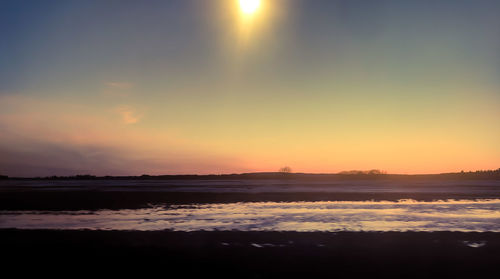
point(358, 172)
point(347, 175)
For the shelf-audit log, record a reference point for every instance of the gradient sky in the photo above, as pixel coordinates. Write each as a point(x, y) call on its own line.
point(192, 86)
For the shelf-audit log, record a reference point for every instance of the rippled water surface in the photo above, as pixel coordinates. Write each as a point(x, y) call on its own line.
point(404, 215)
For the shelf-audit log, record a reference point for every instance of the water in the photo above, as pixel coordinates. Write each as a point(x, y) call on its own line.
point(332, 216)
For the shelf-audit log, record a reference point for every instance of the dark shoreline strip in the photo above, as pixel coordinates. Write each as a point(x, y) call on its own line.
point(94, 200)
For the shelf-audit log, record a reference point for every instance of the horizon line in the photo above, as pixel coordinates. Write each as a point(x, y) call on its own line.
point(373, 172)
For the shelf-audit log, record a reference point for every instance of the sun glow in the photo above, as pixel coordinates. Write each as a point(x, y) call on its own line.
point(249, 6)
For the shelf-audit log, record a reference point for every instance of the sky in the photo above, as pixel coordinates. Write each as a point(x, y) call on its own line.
point(189, 86)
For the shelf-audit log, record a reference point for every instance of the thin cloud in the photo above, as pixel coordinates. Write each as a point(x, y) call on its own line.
point(128, 114)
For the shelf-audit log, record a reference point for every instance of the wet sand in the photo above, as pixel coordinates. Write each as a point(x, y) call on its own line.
point(253, 254)
point(328, 216)
point(62, 200)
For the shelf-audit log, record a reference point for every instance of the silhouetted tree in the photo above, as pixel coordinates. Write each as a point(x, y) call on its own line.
point(285, 170)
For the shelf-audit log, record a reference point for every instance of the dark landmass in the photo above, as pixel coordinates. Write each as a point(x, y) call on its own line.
point(252, 254)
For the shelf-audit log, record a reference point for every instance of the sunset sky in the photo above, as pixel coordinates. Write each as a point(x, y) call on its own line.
point(200, 86)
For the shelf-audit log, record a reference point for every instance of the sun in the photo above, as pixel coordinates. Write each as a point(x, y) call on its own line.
point(249, 6)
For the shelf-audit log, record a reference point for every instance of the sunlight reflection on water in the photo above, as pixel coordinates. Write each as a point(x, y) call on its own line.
point(403, 215)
